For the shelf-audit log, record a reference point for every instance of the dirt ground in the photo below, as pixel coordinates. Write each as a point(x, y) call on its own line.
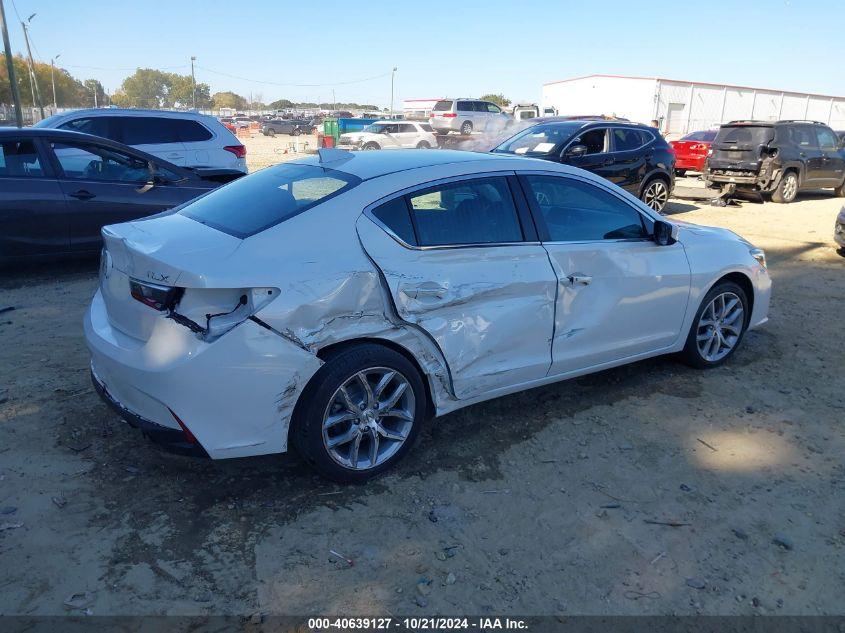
point(552, 501)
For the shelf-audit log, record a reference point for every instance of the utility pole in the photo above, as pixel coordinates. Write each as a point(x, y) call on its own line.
point(194, 80)
point(334, 101)
point(392, 75)
point(53, 80)
point(10, 66)
point(96, 105)
point(36, 89)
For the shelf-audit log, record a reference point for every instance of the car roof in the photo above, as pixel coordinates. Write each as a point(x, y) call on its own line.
point(366, 165)
point(585, 122)
point(168, 114)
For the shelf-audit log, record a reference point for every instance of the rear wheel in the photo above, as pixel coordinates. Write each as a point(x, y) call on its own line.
point(360, 413)
point(680, 173)
point(423, 145)
point(271, 132)
point(787, 188)
point(466, 128)
point(296, 131)
point(840, 190)
point(718, 327)
point(656, 193)
point(371, 145)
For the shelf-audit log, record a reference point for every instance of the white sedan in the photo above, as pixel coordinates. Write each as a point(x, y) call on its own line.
point(390, 135)
point(337, 302)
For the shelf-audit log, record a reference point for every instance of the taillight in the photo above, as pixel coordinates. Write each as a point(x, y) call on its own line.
point(157, 297)
point(189, 437)
point(238, 150)
point(449, 115)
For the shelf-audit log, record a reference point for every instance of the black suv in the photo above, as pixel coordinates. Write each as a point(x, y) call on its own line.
point(630, 155)
point(286, 126)
point(776, 158)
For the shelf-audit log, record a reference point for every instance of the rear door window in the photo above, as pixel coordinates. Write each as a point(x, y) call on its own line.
point(395, 216)
point(19, 159)
point(142, 130)
point(626, 139)
point(407, 127)
point(86, 161)
point(465, 106)
point(804, 136)
point(577, 211)
point(478, 211)
point(191, 131)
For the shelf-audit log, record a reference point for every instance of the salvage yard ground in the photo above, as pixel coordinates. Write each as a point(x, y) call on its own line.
point(651, 488)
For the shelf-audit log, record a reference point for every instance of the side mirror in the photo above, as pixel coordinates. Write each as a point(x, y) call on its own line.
point(665, 234)
point(576, 150)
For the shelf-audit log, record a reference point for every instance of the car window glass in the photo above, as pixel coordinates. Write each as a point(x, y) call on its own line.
point(442, 106)
point(94, 162)
point(804, 136)
point(626, 139)
point(827, 139)
point(492, 107)
point(426, 127)
point(142, 130)
point(594, 140)
point(407, 127)
point(98, 126)
point(465, 106)
point(394, 215)
point(191, 131)
point(578, 211)
point(467, 212)
point(19, 159)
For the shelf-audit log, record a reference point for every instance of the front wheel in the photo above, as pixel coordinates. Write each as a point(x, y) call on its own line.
point(656, 194)
point(360, 413)
point(718, 327)
point(680, 173)
point(787, 188)
point(296, 131)
point(270, 132)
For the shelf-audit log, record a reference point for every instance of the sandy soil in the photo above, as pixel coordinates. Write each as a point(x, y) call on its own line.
point(541, 502)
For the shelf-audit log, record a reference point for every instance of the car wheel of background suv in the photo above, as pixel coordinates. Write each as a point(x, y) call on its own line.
point(718, 327)
point(840, 190)
point(271, 132)
point(372, 145)
point(787, 188)
point(360, 413)
point(423, 145)
point(656, 193)
point(466, 128)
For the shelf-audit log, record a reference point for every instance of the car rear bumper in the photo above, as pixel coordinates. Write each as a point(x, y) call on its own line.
point(692, 163)
point(442, 125)
point(235, 395)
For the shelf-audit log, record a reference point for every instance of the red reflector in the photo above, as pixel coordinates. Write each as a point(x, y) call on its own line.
point(237, 150)
point(189, 437)
point(449, 115)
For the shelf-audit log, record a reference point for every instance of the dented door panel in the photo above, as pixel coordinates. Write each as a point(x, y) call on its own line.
point(490, 309)
point(616, 299)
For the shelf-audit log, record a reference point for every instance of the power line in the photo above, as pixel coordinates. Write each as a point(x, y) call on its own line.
point(276, 83)
point(128, 68)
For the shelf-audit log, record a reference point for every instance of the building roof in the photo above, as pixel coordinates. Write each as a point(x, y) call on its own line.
point(697, 83)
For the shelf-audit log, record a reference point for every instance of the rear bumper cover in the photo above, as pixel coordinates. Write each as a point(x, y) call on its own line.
point(235, 394)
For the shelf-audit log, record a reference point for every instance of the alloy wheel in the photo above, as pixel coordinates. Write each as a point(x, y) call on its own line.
point(720, 326)
point(656, 195)
point(368, 418)
point(790, 187)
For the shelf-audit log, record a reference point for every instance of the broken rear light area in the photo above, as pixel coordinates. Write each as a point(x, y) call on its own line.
point(238, 150)
point(157, 297)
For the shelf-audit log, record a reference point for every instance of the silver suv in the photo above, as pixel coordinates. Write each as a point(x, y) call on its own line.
point(467, 116)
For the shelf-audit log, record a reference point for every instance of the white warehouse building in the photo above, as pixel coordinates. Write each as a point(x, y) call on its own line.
point(685, 106)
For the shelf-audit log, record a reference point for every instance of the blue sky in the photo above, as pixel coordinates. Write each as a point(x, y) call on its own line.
point(462, 48)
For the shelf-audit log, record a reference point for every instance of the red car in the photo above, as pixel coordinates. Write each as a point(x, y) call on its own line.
point(691, 151)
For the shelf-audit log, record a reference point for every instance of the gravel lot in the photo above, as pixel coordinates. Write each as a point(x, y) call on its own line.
point(539, 503)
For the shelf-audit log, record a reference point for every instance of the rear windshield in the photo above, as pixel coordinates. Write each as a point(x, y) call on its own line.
point(539, 140)
point(706, 135)
point(745, 135)
point(254, 203)
point(440, 106)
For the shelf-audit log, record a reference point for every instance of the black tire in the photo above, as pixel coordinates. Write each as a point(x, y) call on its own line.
point(306, 432)
point(680, 173)
point(423, 145)
point(466, 128)
point(655, 197)
point(372, 145)
point(271, 132)
point(787, 189)
point(296, 131)
point(840, 190)
point(691, 354)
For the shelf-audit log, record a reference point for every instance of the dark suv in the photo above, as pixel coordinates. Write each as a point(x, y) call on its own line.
point(286, 126)
point(630, 155)
point(776, 158)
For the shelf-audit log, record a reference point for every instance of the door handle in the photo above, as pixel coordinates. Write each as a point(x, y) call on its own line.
point(82, 195)
point(577, 279)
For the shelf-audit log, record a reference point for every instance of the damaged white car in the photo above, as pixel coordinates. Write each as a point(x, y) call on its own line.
point(336, 302)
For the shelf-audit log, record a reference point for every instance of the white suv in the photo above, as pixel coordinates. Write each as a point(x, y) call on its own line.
point(390, 135)
point(187, 139)
point(467, 116)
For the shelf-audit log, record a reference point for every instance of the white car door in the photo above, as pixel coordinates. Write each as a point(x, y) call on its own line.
point(620, 294)
point(390, 136)
point(458, 266)
point(408, 135)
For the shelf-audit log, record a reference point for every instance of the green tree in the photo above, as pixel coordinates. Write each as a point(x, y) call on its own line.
point(228, 100)
point(498, 99)
point(146, 88)
point(180, 92)
point(281, 104)
point(94, 88)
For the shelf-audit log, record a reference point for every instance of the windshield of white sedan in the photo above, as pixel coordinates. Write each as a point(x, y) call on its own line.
point(266, 198)
point(539, 139)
